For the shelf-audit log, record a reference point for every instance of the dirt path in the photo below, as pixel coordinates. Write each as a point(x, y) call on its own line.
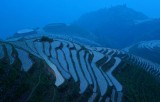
point(33, 89)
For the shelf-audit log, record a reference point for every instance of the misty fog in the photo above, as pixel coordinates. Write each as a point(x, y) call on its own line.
point(20, 14)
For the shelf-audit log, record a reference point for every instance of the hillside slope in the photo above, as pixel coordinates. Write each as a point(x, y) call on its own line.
point(42, 68)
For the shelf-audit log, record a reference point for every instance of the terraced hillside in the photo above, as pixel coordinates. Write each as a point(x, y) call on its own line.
point(146, 49)
point(47, 69)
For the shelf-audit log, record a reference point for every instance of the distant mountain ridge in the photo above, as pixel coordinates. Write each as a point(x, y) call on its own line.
point(120, 26)
point(115, 15)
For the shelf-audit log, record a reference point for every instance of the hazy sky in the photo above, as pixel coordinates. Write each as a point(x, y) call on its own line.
point(19, 14)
